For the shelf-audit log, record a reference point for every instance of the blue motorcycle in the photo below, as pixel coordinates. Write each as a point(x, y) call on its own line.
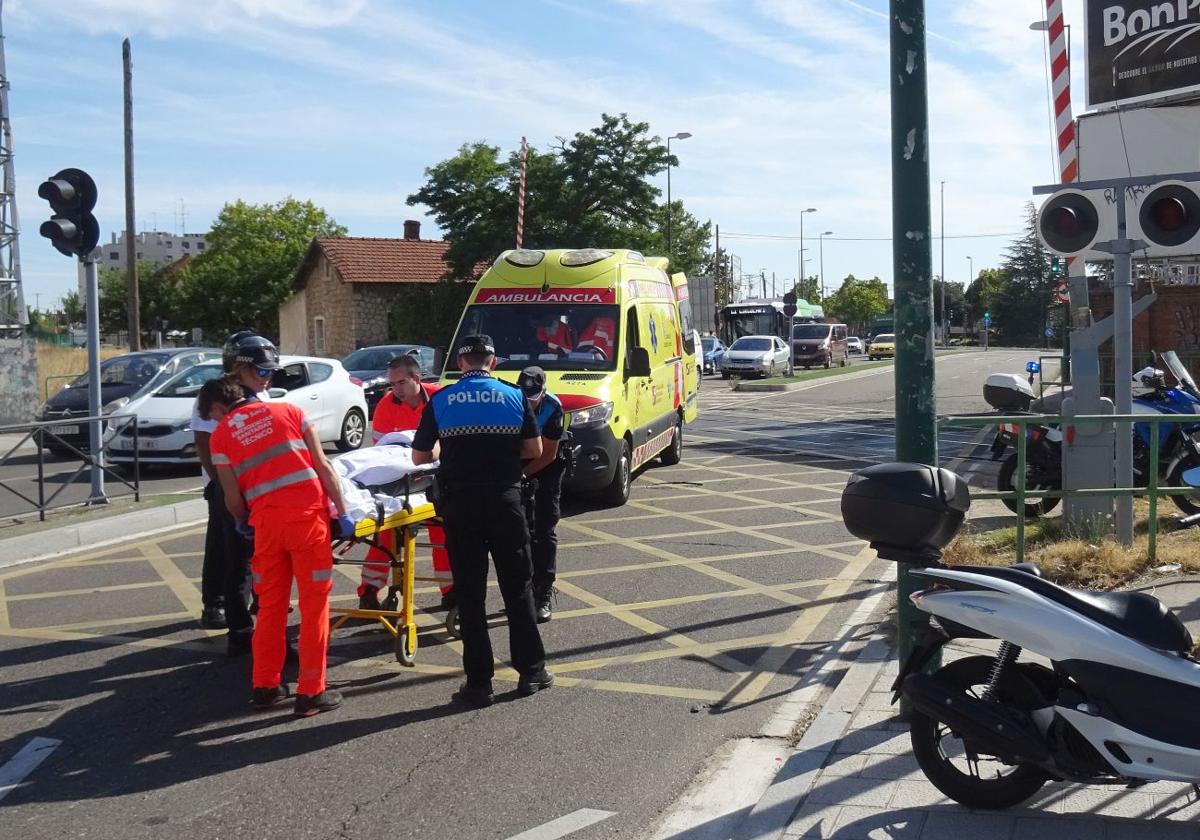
point(1178, 449)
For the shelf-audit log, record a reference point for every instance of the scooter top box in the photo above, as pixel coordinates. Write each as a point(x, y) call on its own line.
point(1008, 392)
point(907, 512)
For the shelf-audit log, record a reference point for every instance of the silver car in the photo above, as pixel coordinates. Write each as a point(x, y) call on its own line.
point(755, 355)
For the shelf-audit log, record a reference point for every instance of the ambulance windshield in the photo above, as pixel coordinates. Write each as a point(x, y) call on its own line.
point(553, 336)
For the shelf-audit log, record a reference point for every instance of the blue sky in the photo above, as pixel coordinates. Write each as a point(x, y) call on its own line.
point(346, 101)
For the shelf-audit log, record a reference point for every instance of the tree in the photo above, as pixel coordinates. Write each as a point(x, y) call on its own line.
point(247, 269)
point(954, 301)
point(809, 289)
point(984, 291)
point(159, 298)
point(592, 190)
point(858, 301)
point(1020, 309)
point(72, 308)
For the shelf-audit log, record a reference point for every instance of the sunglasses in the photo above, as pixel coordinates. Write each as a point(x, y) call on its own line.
point(264, 371)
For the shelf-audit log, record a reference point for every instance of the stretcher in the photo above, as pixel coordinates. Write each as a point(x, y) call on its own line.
point(396, 615)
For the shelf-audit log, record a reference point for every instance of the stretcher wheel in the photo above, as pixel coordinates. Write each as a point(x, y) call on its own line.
point(452, 628)
point(406, 653)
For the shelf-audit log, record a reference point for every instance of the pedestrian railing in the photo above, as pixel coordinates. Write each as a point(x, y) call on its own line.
point(42, 435)
point(1021, 493)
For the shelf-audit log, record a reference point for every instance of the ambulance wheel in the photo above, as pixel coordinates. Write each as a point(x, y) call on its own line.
point(673, 454)
point(452, 628)
point(354, 428)
point(617, 492)
point(404, 655)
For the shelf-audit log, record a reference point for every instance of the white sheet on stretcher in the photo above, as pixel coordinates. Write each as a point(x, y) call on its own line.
point(388, 460)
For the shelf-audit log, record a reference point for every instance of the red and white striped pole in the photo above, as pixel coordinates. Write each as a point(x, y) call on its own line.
point(521, 195)
point(1064, 124)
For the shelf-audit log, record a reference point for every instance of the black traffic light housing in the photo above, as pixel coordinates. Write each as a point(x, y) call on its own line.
point(1169, 215)
point(72, 229)
point(1068, 223)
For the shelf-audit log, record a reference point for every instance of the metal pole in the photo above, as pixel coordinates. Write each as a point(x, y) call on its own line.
point(821, 264)
point(1123, 350)
point(772, 285)
point(912, 263)
point(670, 212)
point(802, 212)
point(94, 436)
point(131, 268)
point(942, 236)
point(762, 276)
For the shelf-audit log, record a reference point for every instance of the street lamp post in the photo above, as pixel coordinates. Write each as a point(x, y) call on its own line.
point(682, 135)
point(821, 253)
point(970, 280)
point(802, 212)
point(945, 320)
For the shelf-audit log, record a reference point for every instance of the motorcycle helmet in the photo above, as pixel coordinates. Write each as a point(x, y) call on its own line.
point(258, 351)
point(229, 351)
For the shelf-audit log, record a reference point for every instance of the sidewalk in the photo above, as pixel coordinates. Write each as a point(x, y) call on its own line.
point(853, 776)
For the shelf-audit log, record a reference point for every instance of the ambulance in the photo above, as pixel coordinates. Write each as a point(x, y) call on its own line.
point(614, 334)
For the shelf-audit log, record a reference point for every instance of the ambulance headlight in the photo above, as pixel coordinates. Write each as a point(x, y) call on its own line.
point(584, 256)
point(592, 416)
point(525, 258)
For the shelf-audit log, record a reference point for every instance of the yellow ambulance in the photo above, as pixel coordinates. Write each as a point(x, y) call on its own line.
point(614, 334)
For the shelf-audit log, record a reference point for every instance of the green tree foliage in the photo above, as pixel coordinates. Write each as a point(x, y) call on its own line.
point(428, 313)
point(1020, 309)
point(984, 291)
point(159, 295)
point(72, 308)
point(955, 305)
point(809, 289)
point(247, 270)
point(857, 302)
point(592, 190)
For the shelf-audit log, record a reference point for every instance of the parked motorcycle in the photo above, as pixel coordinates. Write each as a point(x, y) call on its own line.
point(1116, 706)
point(1178, 449)
point(1010, 393)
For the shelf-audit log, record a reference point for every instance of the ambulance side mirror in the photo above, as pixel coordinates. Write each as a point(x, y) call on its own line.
point(639, 362)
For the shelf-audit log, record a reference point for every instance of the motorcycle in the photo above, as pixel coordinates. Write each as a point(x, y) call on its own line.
point(1043, 444)
point(1116, 705)
point(1178, 450)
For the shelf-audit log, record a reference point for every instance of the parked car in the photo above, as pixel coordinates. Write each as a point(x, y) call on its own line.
point(762, 355)
point(322, 387)
point(855, 344)
point(122, 379)
point(714, 349)
point(883, 346)
point(368, 367)
point(820, 344)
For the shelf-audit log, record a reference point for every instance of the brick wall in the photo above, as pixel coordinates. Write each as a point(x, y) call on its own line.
point(372, 301)
point(1171, 323)
point(326, 296)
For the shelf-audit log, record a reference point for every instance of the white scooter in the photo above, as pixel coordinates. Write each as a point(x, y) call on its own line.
point(1119, 703)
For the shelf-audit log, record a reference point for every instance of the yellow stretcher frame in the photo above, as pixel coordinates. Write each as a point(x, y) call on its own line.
point(397, 618)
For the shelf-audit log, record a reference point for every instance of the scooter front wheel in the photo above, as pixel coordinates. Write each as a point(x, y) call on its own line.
point(953, 765)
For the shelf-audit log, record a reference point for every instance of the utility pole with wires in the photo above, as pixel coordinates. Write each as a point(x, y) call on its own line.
point(131, 266)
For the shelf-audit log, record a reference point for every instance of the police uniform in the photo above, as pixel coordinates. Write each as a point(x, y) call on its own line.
point(481, 423)
point(547, 486)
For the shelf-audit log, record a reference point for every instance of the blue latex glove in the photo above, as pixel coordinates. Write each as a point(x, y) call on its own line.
point(345, 526)
point(242, 526)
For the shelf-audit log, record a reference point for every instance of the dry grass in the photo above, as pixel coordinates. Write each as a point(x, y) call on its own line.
point(1081, 560)
point(55, 361)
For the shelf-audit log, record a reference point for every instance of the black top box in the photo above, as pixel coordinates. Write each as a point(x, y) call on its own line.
point(908, 512)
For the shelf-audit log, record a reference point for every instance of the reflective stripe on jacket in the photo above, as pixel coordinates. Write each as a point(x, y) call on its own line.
point(264, 445)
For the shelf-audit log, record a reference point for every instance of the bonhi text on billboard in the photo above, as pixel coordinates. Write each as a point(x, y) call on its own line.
point(1141, 50)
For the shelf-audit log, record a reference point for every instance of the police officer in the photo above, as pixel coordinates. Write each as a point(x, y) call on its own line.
point(482, 429)
point(545, 473)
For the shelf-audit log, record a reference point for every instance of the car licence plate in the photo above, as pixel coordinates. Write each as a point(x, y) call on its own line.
point(63, 430)
point(149, 444)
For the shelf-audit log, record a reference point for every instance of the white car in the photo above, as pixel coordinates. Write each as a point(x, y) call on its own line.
point(322, 387)
point(764, 355)
point(855, 345)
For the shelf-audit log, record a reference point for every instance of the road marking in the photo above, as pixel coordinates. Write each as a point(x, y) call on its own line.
point(563, 826)
point(25, 762)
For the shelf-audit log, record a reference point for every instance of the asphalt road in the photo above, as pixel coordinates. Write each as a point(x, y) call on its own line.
point(681, 619)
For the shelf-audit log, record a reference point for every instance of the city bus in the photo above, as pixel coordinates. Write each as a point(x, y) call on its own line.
point(762, 316)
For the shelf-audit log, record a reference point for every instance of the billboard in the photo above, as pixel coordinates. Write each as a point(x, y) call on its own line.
point(1141, 50)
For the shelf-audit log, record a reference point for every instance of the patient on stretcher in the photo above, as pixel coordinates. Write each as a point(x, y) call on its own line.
point(382, 474)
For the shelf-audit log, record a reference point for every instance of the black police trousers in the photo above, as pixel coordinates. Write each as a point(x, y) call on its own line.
point(226, 562)
point(479, 520)
point(543, 535)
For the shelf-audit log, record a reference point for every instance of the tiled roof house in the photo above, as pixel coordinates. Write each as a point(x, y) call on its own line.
point(346, 285)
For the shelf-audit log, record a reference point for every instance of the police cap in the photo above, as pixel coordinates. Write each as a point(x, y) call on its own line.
point(532, 382)
point(477, 345)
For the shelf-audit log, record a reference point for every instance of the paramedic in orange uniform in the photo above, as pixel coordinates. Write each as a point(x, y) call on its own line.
point(552, 330)
point(400, 411)
point(268, 458)
point(600, 333)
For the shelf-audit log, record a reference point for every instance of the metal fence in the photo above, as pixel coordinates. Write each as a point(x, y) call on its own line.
point(1021, 493)
point(42, 437)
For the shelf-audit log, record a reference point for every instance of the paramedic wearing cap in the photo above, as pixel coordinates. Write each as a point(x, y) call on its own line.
point(482, 429)
point(400, 411)
point(269, 459)
point(546, 473)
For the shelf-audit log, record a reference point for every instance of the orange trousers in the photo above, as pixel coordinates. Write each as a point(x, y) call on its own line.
point(286, 549)
point(376, 568)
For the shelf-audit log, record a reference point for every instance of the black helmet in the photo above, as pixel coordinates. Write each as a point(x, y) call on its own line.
point(258, 351)
point(229, 351)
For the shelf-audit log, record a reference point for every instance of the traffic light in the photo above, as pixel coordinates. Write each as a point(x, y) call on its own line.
point(72, 229)
point(1056, 266)
point(1069, 223)
point(1169, 219)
